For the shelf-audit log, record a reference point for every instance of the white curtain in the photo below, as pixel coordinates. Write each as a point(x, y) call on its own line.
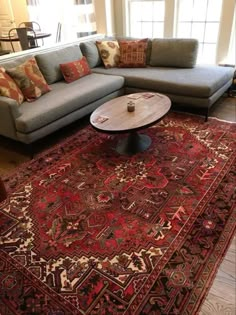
point(76, 16)
point(231, 58)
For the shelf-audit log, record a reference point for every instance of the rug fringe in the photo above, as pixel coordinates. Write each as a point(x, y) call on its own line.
point(223, 120)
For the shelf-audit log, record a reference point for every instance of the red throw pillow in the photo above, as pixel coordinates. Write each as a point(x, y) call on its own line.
point(133, 53)
point(29, 79)
point(75, 69)
point(8, 87)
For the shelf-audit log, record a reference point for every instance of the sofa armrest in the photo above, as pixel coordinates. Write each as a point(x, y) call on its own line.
point(9, 111)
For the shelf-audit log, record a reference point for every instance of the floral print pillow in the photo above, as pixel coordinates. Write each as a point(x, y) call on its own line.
point(109, 52)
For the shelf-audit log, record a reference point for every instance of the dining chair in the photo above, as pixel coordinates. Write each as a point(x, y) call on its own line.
point(34, 25)
point(58, 35)
point(26, 35)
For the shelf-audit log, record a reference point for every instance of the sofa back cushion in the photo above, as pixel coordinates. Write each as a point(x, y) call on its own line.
point(14, 61)
point(49, 63)
point(174, 52)
point(90, 51)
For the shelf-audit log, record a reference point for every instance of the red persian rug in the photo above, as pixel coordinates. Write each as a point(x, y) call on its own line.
point(87, 231)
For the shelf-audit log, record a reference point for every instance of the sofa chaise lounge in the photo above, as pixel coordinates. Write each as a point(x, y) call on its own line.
point(196, 86)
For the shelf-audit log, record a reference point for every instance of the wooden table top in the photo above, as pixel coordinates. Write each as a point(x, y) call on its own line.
point(113, 115)
point(38, 35)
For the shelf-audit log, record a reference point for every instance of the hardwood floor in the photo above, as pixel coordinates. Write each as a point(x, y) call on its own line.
point(221, 299)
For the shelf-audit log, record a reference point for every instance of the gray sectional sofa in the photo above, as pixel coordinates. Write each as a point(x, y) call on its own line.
point(197, 86)
point(65, 102)
point(171, 70)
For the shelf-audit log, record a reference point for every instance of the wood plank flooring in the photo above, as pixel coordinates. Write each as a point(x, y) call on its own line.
point(221, 299)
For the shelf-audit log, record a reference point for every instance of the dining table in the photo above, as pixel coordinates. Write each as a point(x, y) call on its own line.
point(32, 39)
point(38, 35)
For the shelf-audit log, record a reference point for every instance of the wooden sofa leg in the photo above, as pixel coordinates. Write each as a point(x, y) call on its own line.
point(29, 150)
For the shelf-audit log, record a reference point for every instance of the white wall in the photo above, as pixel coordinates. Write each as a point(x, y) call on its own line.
point(225, 30)
point(19, 8)
point(100, 11)
point(104, 10)
point(119, 17)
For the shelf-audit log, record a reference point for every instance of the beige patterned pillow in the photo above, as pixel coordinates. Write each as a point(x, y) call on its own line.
point(109, 52)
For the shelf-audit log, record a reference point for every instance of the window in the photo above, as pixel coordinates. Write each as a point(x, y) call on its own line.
point(205, 20)
point(146, 18)
point(76, 16)
point(200, 19)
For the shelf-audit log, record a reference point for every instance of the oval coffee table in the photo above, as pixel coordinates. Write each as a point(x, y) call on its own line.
point(113, 117)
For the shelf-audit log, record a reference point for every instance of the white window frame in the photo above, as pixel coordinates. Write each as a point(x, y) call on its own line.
point(168, 19)
point(170, 22)
point(203, 22)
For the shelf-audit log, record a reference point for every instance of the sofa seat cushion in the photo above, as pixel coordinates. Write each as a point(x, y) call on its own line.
point(64, 99)
point(201, 81)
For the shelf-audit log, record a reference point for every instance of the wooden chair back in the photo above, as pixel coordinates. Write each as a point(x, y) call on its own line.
point(32, 24)
point(26, 35)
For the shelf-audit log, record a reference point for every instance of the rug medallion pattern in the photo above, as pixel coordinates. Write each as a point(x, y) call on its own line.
point(88, 231)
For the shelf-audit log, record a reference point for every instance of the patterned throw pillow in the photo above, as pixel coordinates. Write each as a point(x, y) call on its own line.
point(109, 52)
point(29, 79)
point(75, 69)
point(8, 87)
point(133, 53)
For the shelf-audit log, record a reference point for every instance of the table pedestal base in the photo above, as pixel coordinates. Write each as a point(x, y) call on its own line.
point(133, 144)
point(3, 193)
